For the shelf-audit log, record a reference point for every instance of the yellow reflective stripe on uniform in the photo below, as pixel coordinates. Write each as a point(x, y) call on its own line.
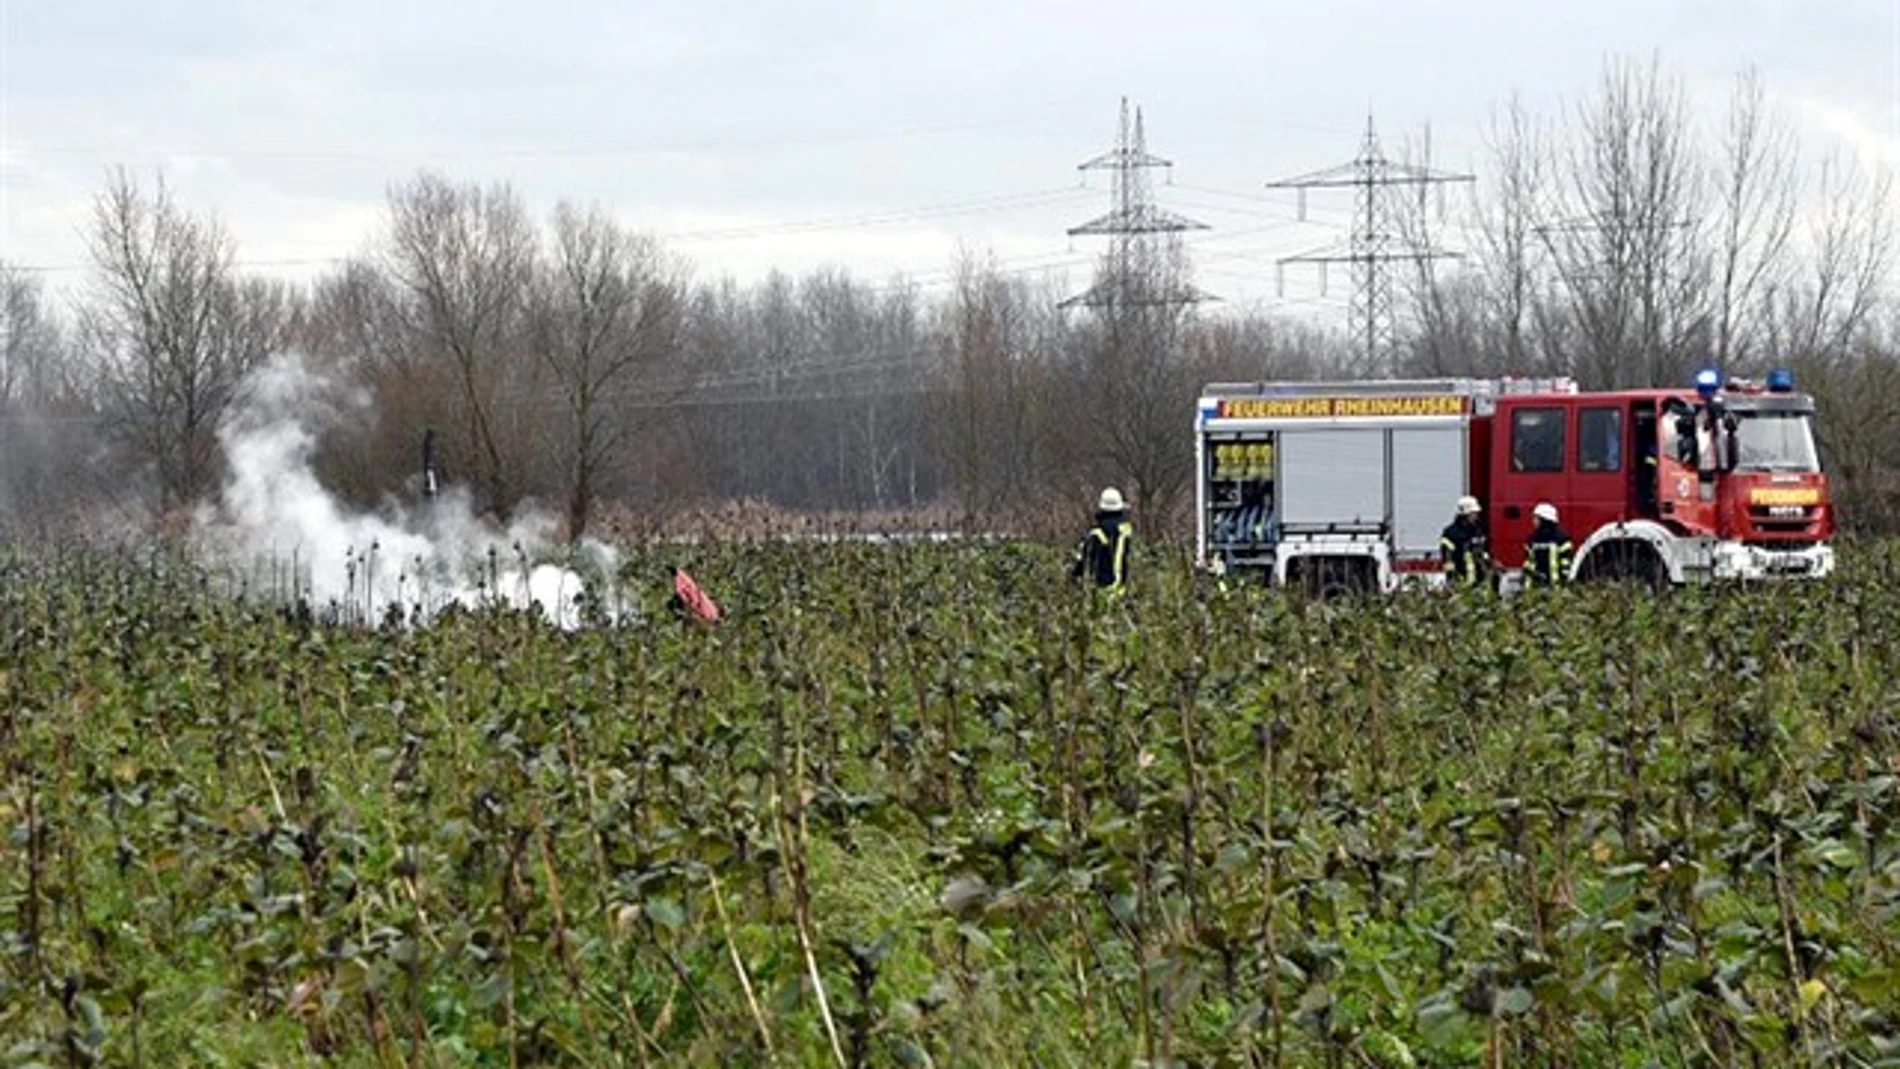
point(1550, 560)
point(1459, 564)
point(1121, 553)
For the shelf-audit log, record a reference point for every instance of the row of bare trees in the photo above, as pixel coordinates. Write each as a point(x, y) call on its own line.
point(1622, 243)
point(573, 362)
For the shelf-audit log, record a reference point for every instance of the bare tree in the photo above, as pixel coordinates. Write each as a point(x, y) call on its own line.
point(694, 456)
point(1137, 381)
point(46, 418)
point(847, 361)
point(355, 319)
point(1507, 237)
point(31, 371)
point(1258, 348)
point(985, 418)
point(1489, 314)
point(1454, 335)
point(1858, 412)
point(1826, 321)
point(465, 256)
point(1758, 191)
point(174, 332)
point(1849, 240)
point(357, 330)
point(1624, 232)
point(612, 305)
point(1449, 331)
point(892, 402)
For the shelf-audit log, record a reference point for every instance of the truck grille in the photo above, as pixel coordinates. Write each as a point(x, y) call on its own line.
point(1776, 518)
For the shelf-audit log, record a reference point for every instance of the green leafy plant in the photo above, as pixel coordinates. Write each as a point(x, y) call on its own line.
point(931, 805)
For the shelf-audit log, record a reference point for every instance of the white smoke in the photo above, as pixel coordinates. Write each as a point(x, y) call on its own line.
point(276, 520)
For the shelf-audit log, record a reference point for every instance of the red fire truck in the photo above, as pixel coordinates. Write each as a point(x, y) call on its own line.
point(1345, 486)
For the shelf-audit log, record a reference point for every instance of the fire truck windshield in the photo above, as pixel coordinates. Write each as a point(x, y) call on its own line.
point(1775, 441)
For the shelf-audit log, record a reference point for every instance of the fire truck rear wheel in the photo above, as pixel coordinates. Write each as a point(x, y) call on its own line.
point(1333, 577)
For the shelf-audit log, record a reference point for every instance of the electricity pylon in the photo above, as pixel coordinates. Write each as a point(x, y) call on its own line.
point(1376, 241)
point(1136, 273)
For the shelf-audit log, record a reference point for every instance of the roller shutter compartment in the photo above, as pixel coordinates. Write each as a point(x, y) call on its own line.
point(1428, 475)
point(1333, 476)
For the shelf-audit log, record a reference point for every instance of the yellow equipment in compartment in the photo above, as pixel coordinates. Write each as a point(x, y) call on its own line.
point(1243, 460)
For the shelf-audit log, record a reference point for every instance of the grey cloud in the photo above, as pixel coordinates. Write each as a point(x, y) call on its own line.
point(831, 106)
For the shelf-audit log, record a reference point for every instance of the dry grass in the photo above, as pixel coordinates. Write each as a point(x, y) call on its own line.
point(749, 520)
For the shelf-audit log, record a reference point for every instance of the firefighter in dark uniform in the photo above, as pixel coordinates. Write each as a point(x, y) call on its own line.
point(1547, 559)
point(1463, 548)
point(1103, 552)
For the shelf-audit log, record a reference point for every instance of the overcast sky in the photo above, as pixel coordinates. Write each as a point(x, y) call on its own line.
point(872, 135)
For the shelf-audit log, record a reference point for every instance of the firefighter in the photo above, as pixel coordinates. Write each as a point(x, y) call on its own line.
point(1548, 559)
point(1463, 547)
point(1103, 552)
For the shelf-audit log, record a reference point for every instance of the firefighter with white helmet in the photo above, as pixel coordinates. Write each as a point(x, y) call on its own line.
point(1547, 556)
point(1103, 552)
point(1463, 547)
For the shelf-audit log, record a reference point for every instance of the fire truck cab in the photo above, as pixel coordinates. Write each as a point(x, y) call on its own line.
point(1337, 487)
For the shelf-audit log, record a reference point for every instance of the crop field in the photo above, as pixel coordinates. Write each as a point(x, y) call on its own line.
point(930, 805)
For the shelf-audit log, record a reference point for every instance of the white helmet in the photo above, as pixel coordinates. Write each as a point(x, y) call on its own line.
point(1545, 511)
point(1111, 501)
point(1468, 506)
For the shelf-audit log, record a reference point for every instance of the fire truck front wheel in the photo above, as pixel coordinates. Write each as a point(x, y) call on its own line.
point(1625, 561)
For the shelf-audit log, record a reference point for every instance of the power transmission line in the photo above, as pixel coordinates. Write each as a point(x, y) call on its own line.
point(1302, 214)
point(1054, 260)
point(309, 261)
point(1005, 202)
point(936, 277)
point(607, 149)
point(1001, 202)
point(1375, 241)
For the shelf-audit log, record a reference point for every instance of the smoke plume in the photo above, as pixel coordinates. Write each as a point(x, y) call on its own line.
point(277, 522)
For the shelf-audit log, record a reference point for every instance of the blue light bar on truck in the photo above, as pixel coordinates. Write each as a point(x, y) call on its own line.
point(1708, 382)
point(1781, 380)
